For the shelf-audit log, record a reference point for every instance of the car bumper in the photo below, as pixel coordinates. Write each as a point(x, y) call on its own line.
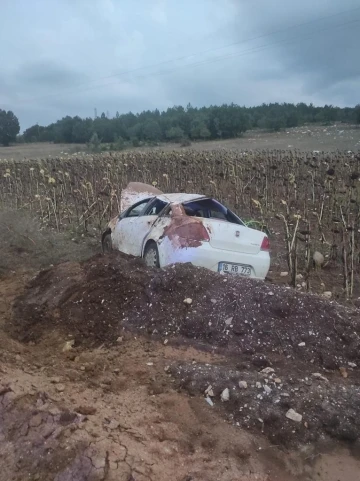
point(210, 258)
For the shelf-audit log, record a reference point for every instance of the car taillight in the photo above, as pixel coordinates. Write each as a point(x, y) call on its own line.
point(265, 245)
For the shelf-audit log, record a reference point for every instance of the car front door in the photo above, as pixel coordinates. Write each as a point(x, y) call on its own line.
point(135, 226)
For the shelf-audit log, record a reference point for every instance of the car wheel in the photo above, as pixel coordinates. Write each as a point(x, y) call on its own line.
point(151, 255)
point(107, 244)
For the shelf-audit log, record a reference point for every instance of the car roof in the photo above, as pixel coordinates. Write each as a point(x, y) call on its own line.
point(179, 198)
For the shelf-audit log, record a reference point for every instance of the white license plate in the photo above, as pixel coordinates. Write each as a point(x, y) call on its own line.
point(238, 269)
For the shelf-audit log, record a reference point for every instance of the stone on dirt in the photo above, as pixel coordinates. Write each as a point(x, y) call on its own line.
point(68, 345)
point(225, 395)
point(294, 416)
point(267, 370)
point(243, 385)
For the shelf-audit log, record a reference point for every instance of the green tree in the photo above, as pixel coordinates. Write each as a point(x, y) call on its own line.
point(95, 143)
point(357, 114)
point(9, 127)
point(151, 130)
point(175, 134)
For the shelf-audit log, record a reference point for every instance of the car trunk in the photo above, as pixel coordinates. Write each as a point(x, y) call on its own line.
point(233, 237)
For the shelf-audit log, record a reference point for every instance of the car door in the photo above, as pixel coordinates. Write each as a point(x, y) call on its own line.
point(125, 227)
point(136, 225)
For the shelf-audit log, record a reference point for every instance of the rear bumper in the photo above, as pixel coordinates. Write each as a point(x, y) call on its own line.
point(208, 257)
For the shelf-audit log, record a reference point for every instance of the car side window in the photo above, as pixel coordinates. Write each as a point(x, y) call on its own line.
point(137, 209)
point(155, 207)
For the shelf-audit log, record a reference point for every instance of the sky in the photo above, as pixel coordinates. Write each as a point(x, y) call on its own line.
point(70, 57)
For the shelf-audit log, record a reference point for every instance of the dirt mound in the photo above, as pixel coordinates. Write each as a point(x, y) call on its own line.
point(138, 409)
point(96, 300)
point(261, 400)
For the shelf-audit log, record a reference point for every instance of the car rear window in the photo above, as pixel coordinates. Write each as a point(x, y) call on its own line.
point(210, 209)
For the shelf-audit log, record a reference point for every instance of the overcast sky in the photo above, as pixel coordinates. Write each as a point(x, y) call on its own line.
point(67, 57)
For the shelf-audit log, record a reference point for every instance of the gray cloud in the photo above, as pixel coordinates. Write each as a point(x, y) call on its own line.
point(47, 74)
point(69, 56)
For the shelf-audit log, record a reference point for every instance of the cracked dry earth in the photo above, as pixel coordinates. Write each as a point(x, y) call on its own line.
point(115, 413)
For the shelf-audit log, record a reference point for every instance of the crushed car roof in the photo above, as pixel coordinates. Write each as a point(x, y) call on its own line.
point(179, 198)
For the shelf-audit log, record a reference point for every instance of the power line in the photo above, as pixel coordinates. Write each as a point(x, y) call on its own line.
point(194, 55)
point(222, 57)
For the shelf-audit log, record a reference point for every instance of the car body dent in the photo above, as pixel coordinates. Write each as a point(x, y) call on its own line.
point(175, 232)
point(180, 237)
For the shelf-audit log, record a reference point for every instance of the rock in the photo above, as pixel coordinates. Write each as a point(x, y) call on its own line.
point(68, 345)
point(267, 389)
point(149, 363)
point(228, 321)
point(317, 375)
point(82, 368)
point(277, 380)
point(343, 372)
point(209, 392)
point(267, 370)
point(213, 301)
point(113, 424)
point(352, 364)
point(299, 277)
point(284, 274)
point(119, 339)
point(166, 341)
point(225, 395)
point(116, 371)
point(209, 401)
point(243, 385)
point(258, 385)
point(301, 344)
point(270, 293)
point(86, 410)
point(294, 416)
point(327, 294)
point(55, 380)
point(188, 301)
point(60, 387)
point(318, 258)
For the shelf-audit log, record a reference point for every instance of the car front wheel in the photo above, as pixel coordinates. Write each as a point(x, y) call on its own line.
point(151, 255)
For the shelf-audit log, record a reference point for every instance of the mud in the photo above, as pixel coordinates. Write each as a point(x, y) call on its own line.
point(311, 345)
point(126, 400)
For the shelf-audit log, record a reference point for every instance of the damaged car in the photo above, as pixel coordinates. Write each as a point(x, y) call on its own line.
point(166, 229)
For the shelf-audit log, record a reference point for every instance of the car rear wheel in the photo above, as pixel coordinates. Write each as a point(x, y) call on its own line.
point(151, 255)
point(107, 244)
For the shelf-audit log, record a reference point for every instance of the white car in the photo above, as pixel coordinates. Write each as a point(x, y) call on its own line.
point(165, 229)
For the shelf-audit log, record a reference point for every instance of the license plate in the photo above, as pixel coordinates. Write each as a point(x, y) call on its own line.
point(238, 269)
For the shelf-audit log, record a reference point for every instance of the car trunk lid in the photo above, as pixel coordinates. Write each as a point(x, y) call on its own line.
point(233, 237)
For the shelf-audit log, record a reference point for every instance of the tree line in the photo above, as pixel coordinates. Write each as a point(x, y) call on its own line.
point(179, 124)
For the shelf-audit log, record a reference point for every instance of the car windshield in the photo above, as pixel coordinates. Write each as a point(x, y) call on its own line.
point(211, 209)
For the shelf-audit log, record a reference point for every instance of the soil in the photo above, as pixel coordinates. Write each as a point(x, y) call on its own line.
point(104, 369)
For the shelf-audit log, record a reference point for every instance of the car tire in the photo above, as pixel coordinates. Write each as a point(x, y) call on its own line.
point(107, 243)
point(151, 255)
